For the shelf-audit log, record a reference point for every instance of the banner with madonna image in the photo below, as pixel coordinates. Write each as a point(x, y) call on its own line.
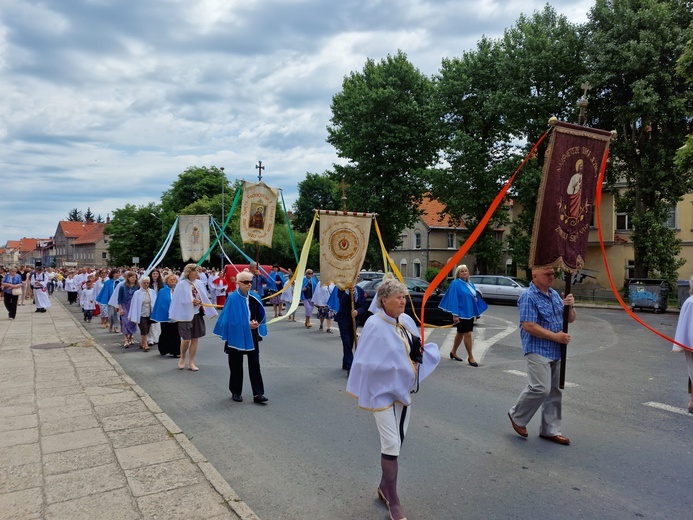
point(194, 236)
point(258, 210)
point(574, 160)
point(343, 244)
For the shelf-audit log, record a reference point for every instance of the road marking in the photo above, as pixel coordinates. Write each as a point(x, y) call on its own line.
point(524, 374)
point(481, 344)
point(668, 408)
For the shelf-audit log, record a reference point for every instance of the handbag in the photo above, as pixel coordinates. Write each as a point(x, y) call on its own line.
point(17, 291)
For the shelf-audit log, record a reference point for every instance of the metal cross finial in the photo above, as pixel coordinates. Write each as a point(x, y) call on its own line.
point(585, 88)
point(259, 167)
point(582, 103)
point(343, 185)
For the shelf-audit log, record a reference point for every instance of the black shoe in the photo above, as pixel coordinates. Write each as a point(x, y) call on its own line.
point(237, 397)
point(43, 310)
point(37, 310)
point(474, 364)
point(452, 356)
point(260, 399)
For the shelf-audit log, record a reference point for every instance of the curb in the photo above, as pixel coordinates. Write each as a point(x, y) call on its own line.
point(217, 481)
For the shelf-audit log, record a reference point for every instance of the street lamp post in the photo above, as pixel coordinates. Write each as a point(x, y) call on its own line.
point(162, 222)
point(223, 215)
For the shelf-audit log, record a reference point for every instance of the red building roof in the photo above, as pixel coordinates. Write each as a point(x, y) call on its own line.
point(93, 233)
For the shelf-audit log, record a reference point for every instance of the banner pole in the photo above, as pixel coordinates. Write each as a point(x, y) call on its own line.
point(566, 313)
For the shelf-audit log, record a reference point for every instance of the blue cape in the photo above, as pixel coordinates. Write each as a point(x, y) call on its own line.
point(459, 300)
point(106, 292)
point(161, 306)
point(233, 322)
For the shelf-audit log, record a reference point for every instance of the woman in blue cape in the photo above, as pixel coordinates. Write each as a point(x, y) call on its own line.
point(465, 305)
point(169, 339)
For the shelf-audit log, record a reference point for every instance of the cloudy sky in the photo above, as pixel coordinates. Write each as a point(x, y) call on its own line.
point(106, 102)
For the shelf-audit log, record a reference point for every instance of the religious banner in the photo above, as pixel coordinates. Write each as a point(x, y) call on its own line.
point(257, 213)
point(343, 243)
point(194, 236)
point(565, 206)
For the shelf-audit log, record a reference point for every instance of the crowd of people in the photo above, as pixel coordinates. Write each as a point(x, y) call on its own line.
point(169, 308)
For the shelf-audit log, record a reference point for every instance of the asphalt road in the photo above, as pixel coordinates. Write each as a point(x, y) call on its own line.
point(312, 454)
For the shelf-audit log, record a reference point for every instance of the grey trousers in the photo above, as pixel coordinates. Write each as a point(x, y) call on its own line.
point(543, 377)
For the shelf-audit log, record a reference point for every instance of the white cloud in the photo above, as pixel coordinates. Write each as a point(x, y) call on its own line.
point(104, 105)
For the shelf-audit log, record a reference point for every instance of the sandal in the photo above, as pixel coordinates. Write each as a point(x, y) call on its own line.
point(329, 331)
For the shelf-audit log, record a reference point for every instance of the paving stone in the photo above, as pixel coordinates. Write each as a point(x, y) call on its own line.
point(136, 436)
point(200, 502)
point(18, 455)
point(163, 477)
point(112, 379)
point(12, 411)
point(81, 458)
point(73, 440)
point(18, 422)
point(148, 454)
point(68, 424)
point(42, 393)
point(117, 504)
point(22, 505)
point(12, 389)
point(15, 478)
point(50, 414)
point(17, 400)
point(119, 397)
point(130, 407)
point(133, 420)
point(17, 437)
point(83, 482)
point(103, 390)
point(77, 399)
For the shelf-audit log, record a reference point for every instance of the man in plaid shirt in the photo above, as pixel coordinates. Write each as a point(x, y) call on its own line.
point(541, 330)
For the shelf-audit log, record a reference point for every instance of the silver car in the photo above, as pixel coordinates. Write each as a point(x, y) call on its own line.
point(494, 288)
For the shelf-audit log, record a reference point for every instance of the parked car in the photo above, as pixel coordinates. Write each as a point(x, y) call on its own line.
point(417, 287)
point(501, 289)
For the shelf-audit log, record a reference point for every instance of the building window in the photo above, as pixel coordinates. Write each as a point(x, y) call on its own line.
point(417, 240)
point(417, 269)
point(403, 266)
point(623, 222)
point(630, 269)
point(671, 219)
point(104, 255)
point(451, 241)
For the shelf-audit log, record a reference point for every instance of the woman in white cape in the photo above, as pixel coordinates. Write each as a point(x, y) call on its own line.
point(188, 309)
point(684, 335)
point(141, 306)
point(383, 375)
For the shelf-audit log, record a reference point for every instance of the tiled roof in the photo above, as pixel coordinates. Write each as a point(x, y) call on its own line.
point(28, 244)
point(75, 229)
point(93, 234)
point(431, 214)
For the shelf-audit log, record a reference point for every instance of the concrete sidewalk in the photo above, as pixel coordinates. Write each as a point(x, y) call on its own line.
point(80, 440)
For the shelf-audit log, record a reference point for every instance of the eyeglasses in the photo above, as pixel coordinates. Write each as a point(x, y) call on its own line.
point(249, 282)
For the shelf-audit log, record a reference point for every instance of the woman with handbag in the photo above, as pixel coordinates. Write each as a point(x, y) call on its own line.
point(12, 288)
point(388, 365)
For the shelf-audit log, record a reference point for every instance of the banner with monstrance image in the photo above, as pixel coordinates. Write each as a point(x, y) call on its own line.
point(258, 210)
point(575, 157)
point(194, 236)
point(343, 244)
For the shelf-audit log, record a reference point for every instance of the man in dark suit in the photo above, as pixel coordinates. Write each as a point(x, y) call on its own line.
point(346, 320)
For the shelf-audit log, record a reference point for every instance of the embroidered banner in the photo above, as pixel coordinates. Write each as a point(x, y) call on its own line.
point(566, 196)
point(343, 245)
point(258, 209)
point(194, 236)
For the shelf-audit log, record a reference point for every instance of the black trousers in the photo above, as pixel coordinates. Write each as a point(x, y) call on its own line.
point(346, 333)
point(11, 304)
point(236, 370)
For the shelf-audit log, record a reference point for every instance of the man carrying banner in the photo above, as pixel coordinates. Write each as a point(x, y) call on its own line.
point(541, 331)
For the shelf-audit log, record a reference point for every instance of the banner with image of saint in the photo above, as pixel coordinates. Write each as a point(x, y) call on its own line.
point(343, 244)
point(565, 205)
point(194, 236)
point(258, 210)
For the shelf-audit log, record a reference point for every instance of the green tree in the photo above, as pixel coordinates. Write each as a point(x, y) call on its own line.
point(133, 232)
point(542, 67)
point(75, 216)
point(89, 216)
point(316, 191)
point(193, 184)
point(383, 122)
point(632, 54)
point(477, 148)
point(684, 68)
